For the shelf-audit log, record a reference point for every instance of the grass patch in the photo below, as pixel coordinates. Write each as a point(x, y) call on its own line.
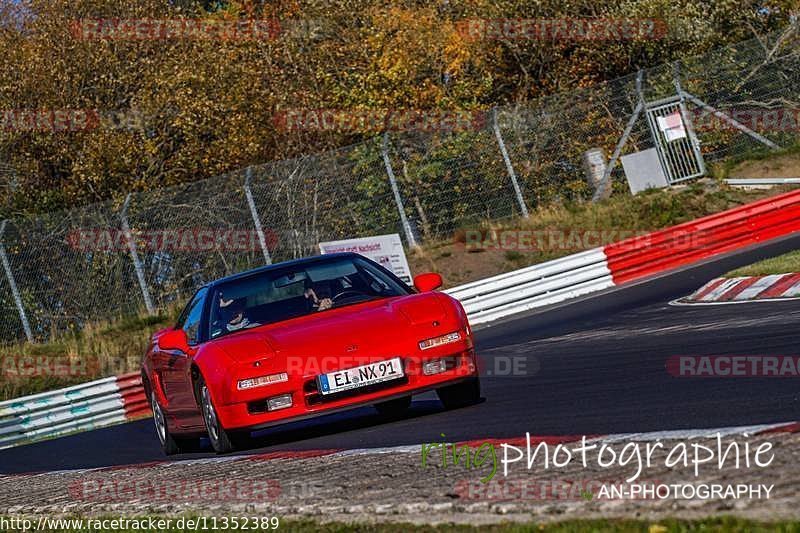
point(724, 169)
point(783, 264)
point(99, 350)
point(720, 525)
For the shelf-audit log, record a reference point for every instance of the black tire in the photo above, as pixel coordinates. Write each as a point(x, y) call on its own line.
point(394, 408)
point(170, 444)
point(461, 394)
point(222, 440)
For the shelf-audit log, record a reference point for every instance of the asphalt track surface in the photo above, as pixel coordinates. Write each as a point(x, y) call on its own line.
point(592, 367)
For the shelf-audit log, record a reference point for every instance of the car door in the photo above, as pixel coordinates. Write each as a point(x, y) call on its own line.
point(176, 366)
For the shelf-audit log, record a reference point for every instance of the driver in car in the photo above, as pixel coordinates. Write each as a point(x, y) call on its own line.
point(320, 296)
point(233, 311)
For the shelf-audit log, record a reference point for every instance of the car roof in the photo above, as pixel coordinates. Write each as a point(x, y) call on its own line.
point(284, 264)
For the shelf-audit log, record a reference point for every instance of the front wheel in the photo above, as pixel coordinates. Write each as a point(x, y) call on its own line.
point(169, 443)
point(222, 441)
point(461, 394)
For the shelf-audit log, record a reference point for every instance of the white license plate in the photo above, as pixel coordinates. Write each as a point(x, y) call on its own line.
point(361, 376)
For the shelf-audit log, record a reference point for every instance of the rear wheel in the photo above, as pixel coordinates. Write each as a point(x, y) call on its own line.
point(222, 440)
point(169, 443)
point(461, 394)
point(394, 408)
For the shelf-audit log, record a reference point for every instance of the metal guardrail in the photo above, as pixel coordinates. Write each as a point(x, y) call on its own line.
point(625, 261)
point(754, 182)
point(78, 408)
point(535, 286)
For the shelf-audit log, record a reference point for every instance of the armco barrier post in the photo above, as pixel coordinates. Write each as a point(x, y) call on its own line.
point(137, 265)
point(13, 284)
point(398, 200)
point(509, 167)
point(254, 213)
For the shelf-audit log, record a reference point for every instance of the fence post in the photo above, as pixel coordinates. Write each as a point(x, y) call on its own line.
point(398, 200)
point(137, 265)
point(14, 290)
point(676, 74)
point(509, 167)
point(248, 173)
point(601, 188)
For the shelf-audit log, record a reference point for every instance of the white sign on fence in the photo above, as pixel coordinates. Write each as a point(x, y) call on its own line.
point(386, 250)
point(672, 126)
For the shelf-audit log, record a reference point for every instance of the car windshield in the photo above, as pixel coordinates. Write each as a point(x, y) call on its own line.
point(286, 293)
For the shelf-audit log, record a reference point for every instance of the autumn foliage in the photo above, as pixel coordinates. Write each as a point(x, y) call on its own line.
point(85, 119)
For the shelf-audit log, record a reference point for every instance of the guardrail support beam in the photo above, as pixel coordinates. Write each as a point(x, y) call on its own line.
point(13, 284)
point(262, 241)
point(603, 185)
point(509, 167)
point(412, 242)
point(137, 264)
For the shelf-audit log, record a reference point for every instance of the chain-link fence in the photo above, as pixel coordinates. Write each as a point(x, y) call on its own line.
point(149, 249)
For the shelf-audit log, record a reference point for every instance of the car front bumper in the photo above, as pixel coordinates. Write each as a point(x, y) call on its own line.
point(307, 402)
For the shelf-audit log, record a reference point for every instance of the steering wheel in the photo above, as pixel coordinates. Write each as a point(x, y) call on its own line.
point(345, 293)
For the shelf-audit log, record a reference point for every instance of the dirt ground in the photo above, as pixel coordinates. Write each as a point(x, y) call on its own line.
point(785, 166)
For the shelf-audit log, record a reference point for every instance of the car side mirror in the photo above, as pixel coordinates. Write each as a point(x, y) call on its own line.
point(427, 282)
point(175, 339)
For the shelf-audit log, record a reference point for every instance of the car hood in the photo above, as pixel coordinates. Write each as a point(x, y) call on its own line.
point(386, 326)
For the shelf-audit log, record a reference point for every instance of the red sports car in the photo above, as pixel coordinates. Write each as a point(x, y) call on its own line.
point(302, 339)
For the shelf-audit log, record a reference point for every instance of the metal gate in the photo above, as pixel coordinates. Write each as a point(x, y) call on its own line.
point(675, 140)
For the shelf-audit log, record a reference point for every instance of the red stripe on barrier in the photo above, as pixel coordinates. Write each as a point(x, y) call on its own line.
point(708, 287)
point(134, 399)
point(699, 239)
point(737, 289)
point(794, 427)
point(780, 286)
